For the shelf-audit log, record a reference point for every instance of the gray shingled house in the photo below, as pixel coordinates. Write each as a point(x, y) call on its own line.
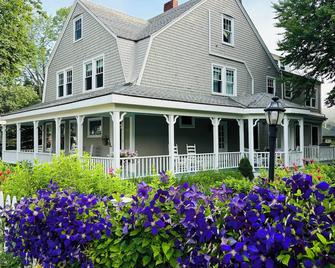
point(185, 90)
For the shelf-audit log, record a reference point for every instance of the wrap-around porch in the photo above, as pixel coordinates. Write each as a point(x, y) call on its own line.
point(141, 144)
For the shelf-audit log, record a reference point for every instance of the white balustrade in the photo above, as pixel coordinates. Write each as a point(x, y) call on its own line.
point(44, 157)
point(188, 163)
point(10, 156)
point(229, 160)
point(106, 162)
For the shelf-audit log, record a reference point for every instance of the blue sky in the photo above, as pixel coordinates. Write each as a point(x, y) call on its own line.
point(260, 11)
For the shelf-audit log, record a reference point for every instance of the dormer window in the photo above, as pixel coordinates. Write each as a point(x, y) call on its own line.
point(77, 28)
point(227, 30)
point(271, 85)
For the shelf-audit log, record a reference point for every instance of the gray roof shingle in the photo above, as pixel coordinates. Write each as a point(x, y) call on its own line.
point(132, 28)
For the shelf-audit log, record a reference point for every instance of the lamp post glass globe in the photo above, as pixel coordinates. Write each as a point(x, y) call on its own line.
point(274, 115)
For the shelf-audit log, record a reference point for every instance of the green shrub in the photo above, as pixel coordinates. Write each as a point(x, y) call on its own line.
point(245, 168)
point(67, 172)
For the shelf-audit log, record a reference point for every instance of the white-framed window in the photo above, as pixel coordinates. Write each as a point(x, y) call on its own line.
point(64, 83)
point(311, 101)
point(72, 135)
point(224, 80)
point(228, 30)
point(48, 137)
point(78, 28)
point(271, 85)
point(288, 91)
point(94, 74)
point(186, 122)
point(94, 127)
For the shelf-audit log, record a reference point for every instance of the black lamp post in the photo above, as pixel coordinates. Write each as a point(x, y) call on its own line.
point(274, 115)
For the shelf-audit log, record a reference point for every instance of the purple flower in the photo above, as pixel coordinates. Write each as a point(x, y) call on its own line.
point(143, 190)
point(164, 177)
point(323, 186)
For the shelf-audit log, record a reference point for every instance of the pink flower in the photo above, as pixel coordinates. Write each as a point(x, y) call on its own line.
point(111, 171)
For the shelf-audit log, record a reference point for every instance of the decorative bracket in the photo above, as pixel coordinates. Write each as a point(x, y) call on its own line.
point(216, 121)
point(80, 119)
point(240, 122)
point(256, 122)
point(58, 121)
point(18, 126)
point(36, 124)
point(174, 119)
point(122, 115)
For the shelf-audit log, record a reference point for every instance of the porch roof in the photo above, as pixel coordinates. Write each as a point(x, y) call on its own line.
point(247, 101)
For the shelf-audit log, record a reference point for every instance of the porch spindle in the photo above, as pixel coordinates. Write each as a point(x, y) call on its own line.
point(117, 118)
point(35, 138)
point(216, 123)
point(18, 140)
point(171, 120)
point(286, 141)
point(301, 139)
point(251, 141)
point(58, 122)
point(80, 136)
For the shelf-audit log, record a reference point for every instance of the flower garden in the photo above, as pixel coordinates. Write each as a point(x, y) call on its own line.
point(73, 215)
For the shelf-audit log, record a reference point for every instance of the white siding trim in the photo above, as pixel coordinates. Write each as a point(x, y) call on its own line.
point(140, 76)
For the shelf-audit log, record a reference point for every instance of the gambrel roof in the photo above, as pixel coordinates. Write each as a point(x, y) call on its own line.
point(132, 28)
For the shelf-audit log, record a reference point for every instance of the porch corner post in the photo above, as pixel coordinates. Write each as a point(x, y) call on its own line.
point(302, 139)
point(241, 133)
point(171, 120)
point(3, 140)
point(18, 140)
point(35, 138)
point(80, 135)
point(58, 135)
point(286, 141)
point(117, 118)
point(251, 142)
point(216, 123)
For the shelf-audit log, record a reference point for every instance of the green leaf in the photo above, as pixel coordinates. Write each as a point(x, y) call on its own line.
point(146, 260)
point(165, 247)
point(322, 239)
point(309, 253)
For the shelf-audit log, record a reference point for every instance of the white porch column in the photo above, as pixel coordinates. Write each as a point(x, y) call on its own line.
point(58, 122)
point(18, 140)
point(286, 141)
point(117, 118)
point(3, 140)
point(216, 123)
point(251, 141)
point(241, 133)
point(171, 120)
point(301, 138)
point(35, 138)
point(80, 134)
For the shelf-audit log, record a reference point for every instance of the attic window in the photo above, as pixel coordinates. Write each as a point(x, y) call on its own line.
point(227, 30)
point(77, 28)
point(271, 85)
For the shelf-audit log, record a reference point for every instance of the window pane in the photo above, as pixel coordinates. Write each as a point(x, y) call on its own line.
point(69, 82)
point(217, 79)
point(227, 30)
point(88, 83)
point(73, 135)
point(230, 82)
point(95, 128)
point(315, 136)
point(88, 79)
point(270, 85)
point(78, 29)
point(61, 85)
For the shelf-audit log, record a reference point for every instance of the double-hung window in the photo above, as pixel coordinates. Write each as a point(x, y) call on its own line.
point(271, 85)
point(64, 83)
point(288, 91)
point(227, 30)
point(224, 80)
point(94, 74)
point(311, 100)
point(77, 28)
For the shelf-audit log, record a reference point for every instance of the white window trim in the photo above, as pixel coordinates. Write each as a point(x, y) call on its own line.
point(274, 84)
point(284, 92)
point(232, 44)
point(89, 120)
point(224, 80)
point(46, 135)
point(75, 123)
point(64, 71)
point(74, 28)
point(181, 125)
point(94, 70)
point(310, 100)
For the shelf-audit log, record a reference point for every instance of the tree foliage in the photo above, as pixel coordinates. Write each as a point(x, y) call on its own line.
point(44, 32)
point(308, 41)
point(15, 43)
point(14, 97)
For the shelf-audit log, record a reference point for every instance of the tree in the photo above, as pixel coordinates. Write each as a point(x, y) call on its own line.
point(44, 33)
point(15, 43)
point(308, 41)
point(14, 97)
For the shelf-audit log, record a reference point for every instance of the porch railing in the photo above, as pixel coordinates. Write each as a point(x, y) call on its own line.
point(319, 153)
point(188, 163)
point(229, 160)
